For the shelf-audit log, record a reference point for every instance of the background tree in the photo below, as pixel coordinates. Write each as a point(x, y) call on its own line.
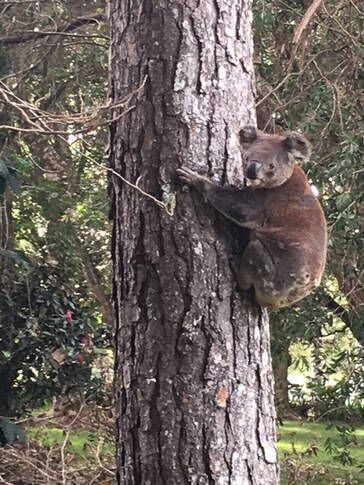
point(193, 375)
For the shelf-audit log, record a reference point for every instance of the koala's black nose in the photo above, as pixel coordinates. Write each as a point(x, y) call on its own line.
point(252, 170)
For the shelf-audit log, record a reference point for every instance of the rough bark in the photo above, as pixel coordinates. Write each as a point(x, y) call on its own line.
point(193, 370)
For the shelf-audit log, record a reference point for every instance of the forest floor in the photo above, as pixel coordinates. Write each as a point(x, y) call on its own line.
point(304, 450)
point(63, 446)
point(78, 448)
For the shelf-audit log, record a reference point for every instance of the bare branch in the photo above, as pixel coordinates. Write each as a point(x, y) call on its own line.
point(16, 2)
point(337, 309)
point(306, 20)
point(65, 442)
point(89, 121)
point(47, 123)
point(64, 30)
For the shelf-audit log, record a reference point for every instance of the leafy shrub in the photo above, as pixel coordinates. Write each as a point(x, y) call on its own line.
point(48, 341)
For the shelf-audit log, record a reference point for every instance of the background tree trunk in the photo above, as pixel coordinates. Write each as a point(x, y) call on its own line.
point(281, 360)
point(193, 370)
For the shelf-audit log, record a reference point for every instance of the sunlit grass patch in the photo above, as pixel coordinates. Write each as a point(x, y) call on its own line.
point(81, 443)
point(302, 446)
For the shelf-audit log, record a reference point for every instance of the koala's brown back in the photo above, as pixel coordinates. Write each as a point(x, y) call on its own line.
point(293, 232)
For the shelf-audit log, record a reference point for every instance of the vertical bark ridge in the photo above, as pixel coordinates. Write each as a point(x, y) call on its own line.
point(193, 375)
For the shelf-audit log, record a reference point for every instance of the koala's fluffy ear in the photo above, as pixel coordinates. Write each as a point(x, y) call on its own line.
point(247, 135)
point(297, 145)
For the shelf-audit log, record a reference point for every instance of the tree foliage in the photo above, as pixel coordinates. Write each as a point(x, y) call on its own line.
point(53, 224)
point(308, 69)
point(49, 346)
point(53, 210)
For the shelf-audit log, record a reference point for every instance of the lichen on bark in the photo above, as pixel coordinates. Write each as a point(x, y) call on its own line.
point(193, 372)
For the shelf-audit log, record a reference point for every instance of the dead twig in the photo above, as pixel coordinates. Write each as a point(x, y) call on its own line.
point(97, 454)
point(75, 24)
point(285, 79)
point(42, 465)
point(44, 122)
point(334, 99)
point(11, 451)
point(65, 442)
point(16, 2)
point(135, 186)
point(305, 20)
point(47, 123)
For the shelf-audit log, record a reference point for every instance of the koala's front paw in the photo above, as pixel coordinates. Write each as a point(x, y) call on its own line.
point(189, 177)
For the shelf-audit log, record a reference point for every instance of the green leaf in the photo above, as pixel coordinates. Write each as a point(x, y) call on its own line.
point(14, 183)
point(10, 432)
point(3, 169)
point(342, 201)
point(16, 256)
point(2, 184)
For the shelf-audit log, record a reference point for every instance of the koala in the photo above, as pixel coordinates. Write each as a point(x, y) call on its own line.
point(285, 257)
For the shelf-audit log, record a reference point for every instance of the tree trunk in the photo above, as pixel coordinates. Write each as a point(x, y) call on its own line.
point(193, 370)
point(281, 362)
point(93, 280)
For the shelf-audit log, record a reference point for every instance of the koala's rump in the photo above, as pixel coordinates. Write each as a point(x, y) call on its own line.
point(293, 264)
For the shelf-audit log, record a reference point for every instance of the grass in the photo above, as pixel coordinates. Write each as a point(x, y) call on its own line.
point(80, 442)
point(295, 440)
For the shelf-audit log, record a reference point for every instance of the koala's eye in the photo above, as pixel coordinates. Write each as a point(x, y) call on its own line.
point(272, 166)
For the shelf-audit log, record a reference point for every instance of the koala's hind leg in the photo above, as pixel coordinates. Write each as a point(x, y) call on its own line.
point(256, 268)
point(242, 276)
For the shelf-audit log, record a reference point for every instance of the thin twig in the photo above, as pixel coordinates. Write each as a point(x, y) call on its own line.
point(88, 119)
point(159, 203)
point(333, 96)
point(14, 453)
point(65, 442)
point(44, 119)
point(341, 27)
point(16, 2)
point(305, 20)
point(97, 454)
point(26, 36)
point(65, 34)
point(4, 481)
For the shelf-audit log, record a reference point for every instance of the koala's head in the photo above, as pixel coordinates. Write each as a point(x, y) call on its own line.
point(269, 159)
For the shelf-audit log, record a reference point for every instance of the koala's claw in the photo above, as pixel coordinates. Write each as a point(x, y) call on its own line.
point(188, 176)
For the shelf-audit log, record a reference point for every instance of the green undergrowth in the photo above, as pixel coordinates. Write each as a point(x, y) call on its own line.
point(306, 460)
point(303, 456)
point(81, 443)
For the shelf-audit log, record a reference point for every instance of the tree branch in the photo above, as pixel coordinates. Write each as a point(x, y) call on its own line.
point(306, 20)
point(93, 280)
point(337, 309)
point(75, 24)
point(16, 2)
point(352, 319)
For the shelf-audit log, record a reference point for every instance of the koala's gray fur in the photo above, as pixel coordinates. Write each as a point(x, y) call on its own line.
point(286, 254)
